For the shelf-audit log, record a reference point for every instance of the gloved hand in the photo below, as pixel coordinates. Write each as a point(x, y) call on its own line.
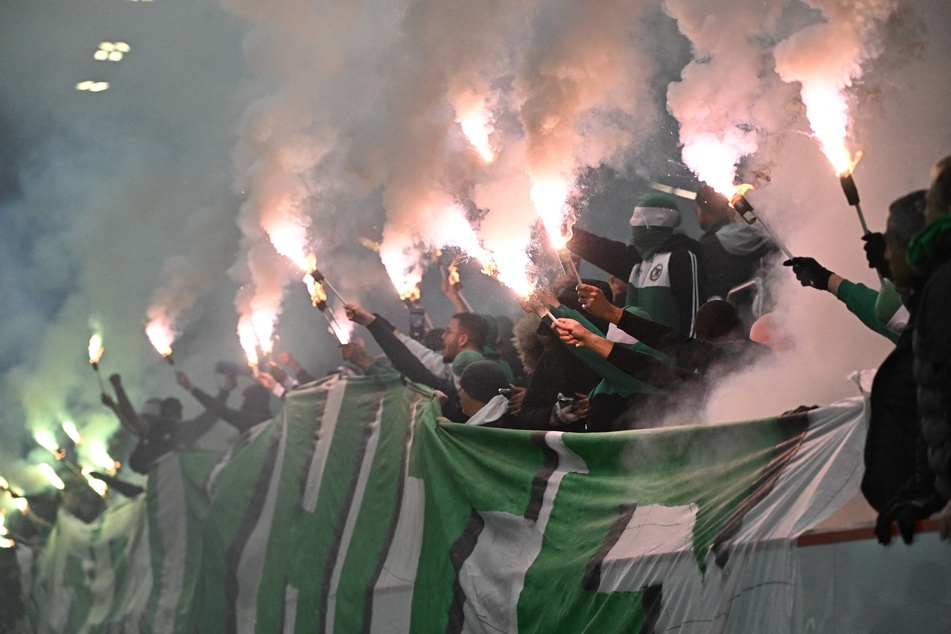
point(568, 410)
point(875, 253)
point(810, 273)
point(905, 513)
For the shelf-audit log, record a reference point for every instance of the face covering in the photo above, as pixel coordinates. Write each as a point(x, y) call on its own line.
point(647, 240)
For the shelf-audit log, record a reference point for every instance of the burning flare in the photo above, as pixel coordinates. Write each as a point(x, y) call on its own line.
point(473, 117)
point(45, 439)
point(549, 196)
point(161, 335)
point(95, 349)
point(248, 340)
point(69, 427)
point(50, 474)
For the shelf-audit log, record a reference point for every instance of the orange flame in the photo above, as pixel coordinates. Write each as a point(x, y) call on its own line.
point(316, 290)
point(453, 270)
point(412, 294)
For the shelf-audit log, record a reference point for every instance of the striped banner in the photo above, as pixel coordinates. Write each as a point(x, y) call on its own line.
point(354, 510)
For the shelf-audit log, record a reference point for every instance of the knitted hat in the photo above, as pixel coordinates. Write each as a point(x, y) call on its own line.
point(656, 210)
point(482, 380)
point(463, 359)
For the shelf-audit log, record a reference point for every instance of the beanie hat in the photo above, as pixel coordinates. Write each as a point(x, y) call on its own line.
point(482, 380)
point(462, 360)
point(656, 210)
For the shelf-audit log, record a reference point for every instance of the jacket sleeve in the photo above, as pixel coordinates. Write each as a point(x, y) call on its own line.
point(685, 287)
point(605, 369)
point(405, 361)
point(611, 256)
point(690, 354)
point(860, 300)
point(431, 360)
point(235, 418)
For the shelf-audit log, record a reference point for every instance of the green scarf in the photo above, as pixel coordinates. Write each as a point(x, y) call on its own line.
point(929, 244)
point(648, 239)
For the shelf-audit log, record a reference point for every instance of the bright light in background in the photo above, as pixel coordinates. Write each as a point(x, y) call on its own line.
point(21, 504)
point(111, 51)
point(50, 474)
point(92, 86)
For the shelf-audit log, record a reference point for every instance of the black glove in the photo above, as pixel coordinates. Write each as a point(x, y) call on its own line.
point(905, 513)
point(810, 273)
point(875, 253)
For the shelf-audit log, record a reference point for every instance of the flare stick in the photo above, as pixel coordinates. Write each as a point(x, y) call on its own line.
point(743, 207)
point(852, 196)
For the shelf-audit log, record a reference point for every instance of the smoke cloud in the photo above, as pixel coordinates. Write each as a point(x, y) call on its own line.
point(238, 138)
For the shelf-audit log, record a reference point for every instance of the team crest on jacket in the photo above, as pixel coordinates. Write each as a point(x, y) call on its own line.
point(656, 272)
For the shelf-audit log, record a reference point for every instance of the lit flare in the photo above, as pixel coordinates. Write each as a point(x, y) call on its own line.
point(95, 349)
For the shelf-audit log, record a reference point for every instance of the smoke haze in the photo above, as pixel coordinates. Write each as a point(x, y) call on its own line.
point(237, 137)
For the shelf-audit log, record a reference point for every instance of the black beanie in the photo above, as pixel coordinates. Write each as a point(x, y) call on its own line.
point(482, 380)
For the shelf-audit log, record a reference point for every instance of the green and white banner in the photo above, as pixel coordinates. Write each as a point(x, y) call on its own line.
point(354, 510)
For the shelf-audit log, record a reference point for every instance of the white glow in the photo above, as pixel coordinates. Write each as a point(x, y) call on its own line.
point(70, 428)
point(549, 195)
point(50, 474)
point(95, 349)
point(161, 335)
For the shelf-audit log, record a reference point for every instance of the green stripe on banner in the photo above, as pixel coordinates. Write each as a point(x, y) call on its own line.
point(305, 420)
point(378, 511)
point(471, 471)
point(232, 490)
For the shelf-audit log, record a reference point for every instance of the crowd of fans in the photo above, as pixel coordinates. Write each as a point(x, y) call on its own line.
point(672, 315)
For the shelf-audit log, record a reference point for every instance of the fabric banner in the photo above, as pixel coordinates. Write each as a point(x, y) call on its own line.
point(355, 510)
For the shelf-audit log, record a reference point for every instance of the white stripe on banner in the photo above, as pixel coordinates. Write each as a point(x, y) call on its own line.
point(171, 519)
point(393, 590)
point(354, 511)
point(493, 575)
point(251, 564)
point(291, 595)
point(328, 425)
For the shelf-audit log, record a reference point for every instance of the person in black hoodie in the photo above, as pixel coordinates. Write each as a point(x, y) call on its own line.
point(662, 267)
